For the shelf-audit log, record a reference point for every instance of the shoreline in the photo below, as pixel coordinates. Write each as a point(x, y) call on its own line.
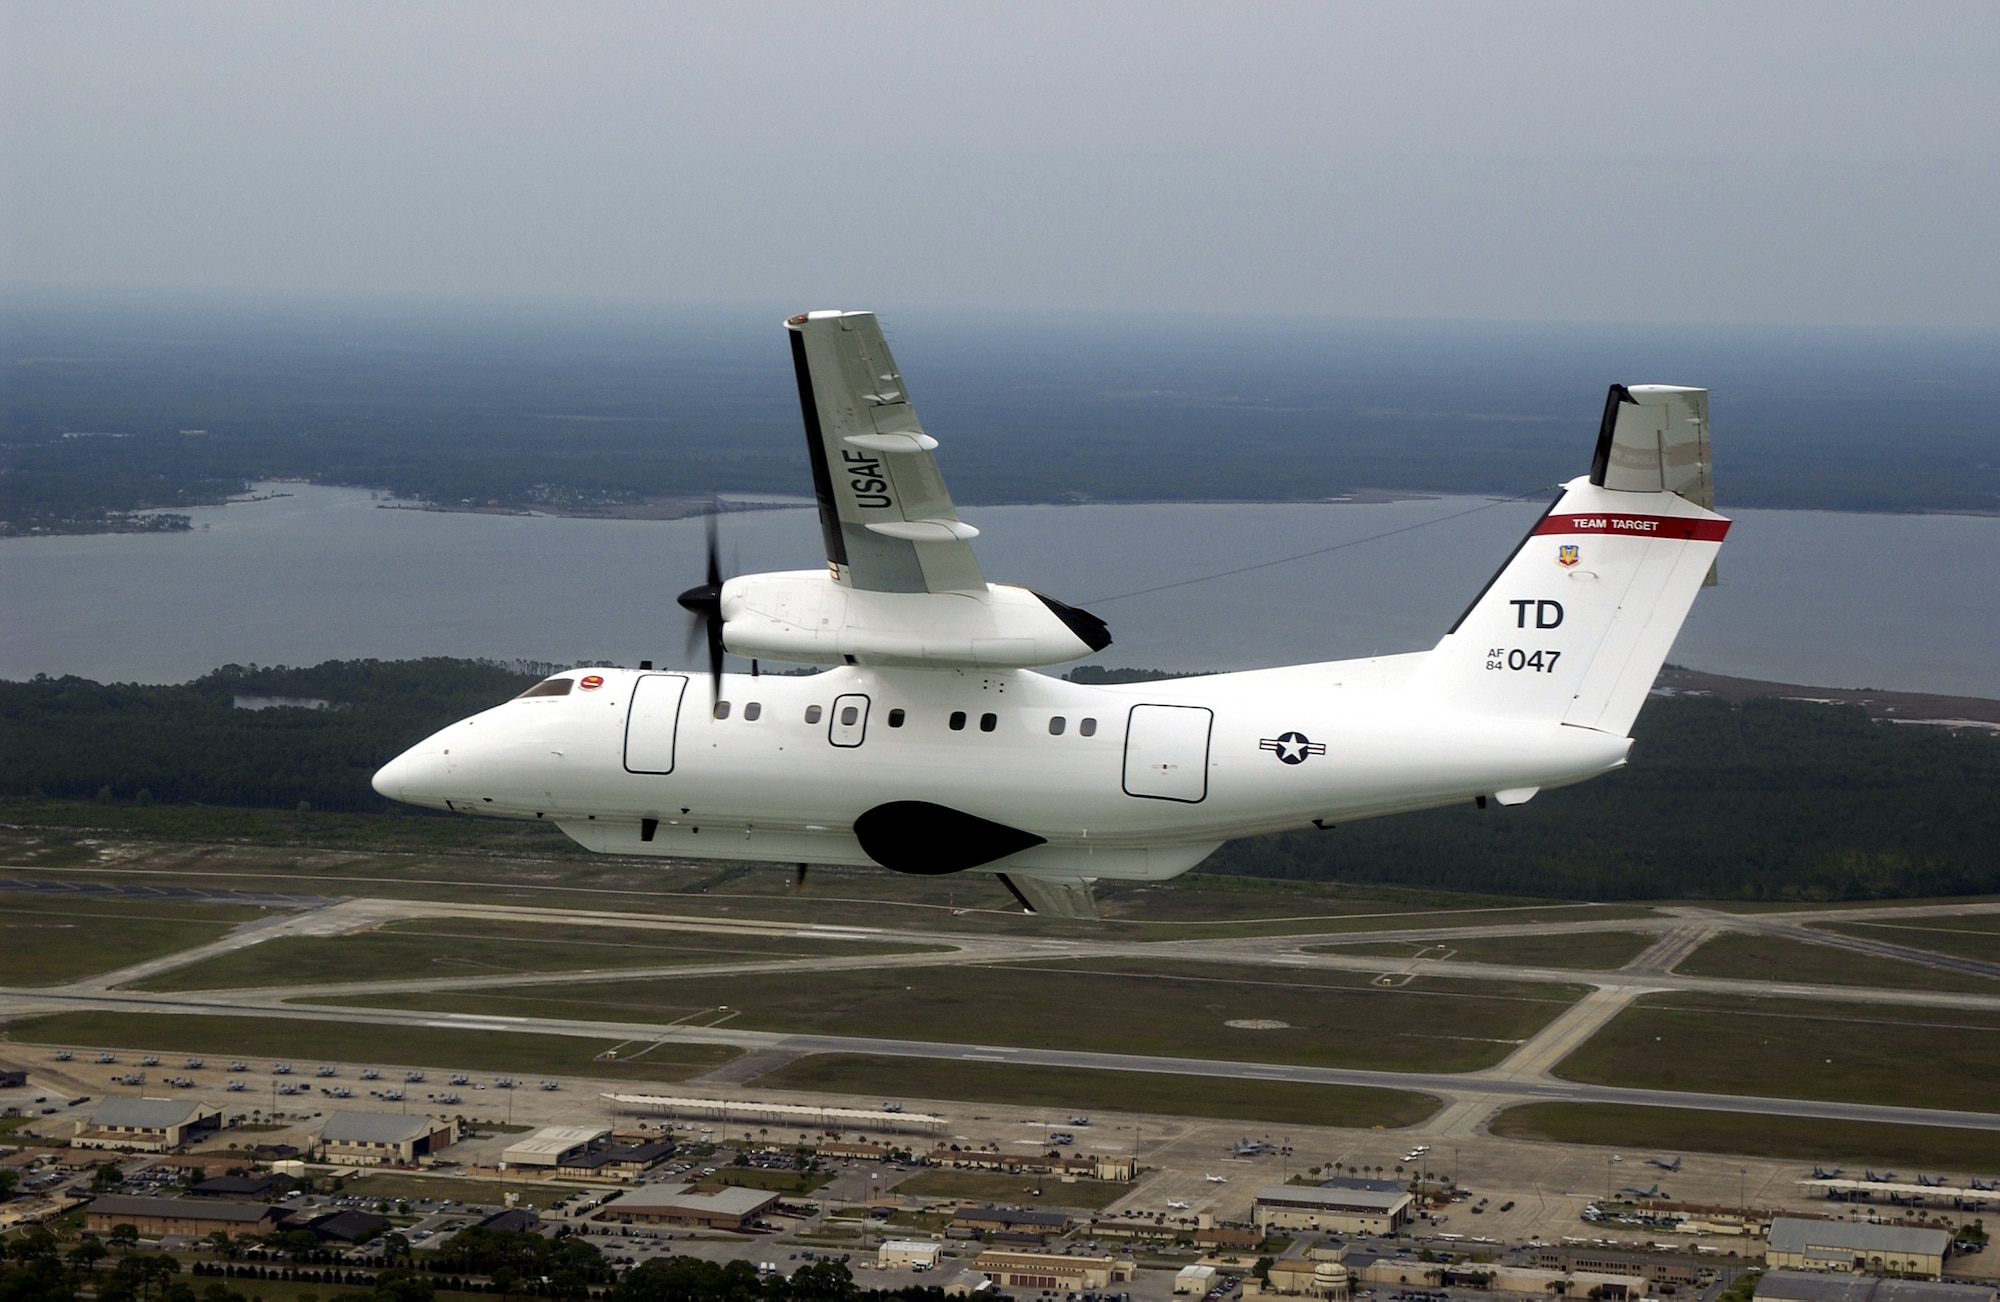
point(682, 508)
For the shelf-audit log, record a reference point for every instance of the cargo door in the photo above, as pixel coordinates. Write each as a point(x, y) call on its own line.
point(651, 721)
point(1166, 752)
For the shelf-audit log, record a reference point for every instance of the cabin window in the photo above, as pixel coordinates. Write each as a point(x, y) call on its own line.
point(722, 709)
point(752, 711)
point(895, 718)
point(848, 715)
point(1088, 727)
point(548, 687)
point(812, 714)
point(1056, 725)
point(988, 722)
point(958, 721)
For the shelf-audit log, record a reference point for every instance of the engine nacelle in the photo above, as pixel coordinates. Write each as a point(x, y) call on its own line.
point(806, 617)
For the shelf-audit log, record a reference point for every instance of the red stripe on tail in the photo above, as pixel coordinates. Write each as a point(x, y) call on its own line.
point(1636, 526)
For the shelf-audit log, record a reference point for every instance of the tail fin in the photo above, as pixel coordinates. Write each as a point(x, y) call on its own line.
point(1576, 624)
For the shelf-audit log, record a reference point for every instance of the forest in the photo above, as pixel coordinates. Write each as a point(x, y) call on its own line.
point(1769, 799)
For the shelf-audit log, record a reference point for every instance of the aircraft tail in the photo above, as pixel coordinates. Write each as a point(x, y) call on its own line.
point(1576, 624)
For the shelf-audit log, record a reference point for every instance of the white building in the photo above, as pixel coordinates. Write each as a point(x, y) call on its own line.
point(548, 1146)
point(909, 1254)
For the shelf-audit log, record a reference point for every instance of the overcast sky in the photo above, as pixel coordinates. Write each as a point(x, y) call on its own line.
point(1773, 162)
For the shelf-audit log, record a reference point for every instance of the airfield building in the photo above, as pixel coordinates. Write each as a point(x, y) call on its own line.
point(193, 1217)
point(731, 1209)
point(1009, 1220)
point(1052, 1270)
point(909, 1254)
point(548, 1146)
point(1799, 1244)
point(1802, 1286)
point(380, 1138)
point(146, 1125)
point(1340, 1210)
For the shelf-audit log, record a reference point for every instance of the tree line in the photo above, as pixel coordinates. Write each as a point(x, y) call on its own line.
point(1770, 799)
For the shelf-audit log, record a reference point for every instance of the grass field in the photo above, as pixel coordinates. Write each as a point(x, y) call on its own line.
point(479, 947)
point(1182, 1009)
point(414, 856)
point(1068, 1089)
point(381, 1046)
point(1747, 957)
point(1597, 951)
point(52, 939)
point(1016, 1190)
point(1908, 1057)
point(1802, 1139)
point(790, 1182)
point(1977, 936)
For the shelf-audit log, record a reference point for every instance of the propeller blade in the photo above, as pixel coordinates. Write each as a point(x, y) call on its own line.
point(705, 604)
point(799, 882)
point(715, 654)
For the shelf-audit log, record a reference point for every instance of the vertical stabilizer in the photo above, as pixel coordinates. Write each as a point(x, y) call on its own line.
point(1575, 626)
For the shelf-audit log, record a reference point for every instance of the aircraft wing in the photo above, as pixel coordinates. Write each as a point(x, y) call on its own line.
point(888, 521)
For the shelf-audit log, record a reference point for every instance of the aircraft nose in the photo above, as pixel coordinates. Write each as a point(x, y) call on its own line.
point(414, 777)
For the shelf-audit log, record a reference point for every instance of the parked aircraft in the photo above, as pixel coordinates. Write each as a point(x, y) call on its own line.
point(1252, 1148)
point(1985, 1186)
point(1880, 1179)
point(1821, 1173)
point(1930, 1181)
point(1177, 1206)
point(930, 747)
point(1216, 1179)
point(1664, 1164)
point(1637, 1192)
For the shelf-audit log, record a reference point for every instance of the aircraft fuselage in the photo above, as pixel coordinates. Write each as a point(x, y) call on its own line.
point(1127, 781)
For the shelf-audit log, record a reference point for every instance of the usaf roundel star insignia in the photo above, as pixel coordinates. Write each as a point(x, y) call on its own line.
point(1292, 747)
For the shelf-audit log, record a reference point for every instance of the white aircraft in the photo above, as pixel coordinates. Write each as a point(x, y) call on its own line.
point(1216, 1179)
point(931, 747)
point(1177, 1205)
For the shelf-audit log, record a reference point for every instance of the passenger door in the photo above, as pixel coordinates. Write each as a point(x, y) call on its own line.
point(651, 721)
point(847, 723)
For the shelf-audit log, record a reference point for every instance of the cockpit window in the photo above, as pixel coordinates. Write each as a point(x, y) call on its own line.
point(549, 687)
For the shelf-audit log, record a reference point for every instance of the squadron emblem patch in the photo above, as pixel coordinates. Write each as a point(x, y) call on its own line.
point(1292, 747)
point(1567, 555)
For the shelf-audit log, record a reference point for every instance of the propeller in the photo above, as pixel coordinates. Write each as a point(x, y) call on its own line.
point(799, 882)
point(705, 604)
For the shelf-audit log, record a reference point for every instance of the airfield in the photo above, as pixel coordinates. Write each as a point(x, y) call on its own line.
point(1542, 1052)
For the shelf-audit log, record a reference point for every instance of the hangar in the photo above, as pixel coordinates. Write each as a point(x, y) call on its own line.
point(146, 1125)
point(376, 1138)
point(1799, 1244)
point(548, 1146)
point(1341, 1209)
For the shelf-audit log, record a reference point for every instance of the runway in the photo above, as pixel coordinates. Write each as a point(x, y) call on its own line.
point(1467, 1099)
